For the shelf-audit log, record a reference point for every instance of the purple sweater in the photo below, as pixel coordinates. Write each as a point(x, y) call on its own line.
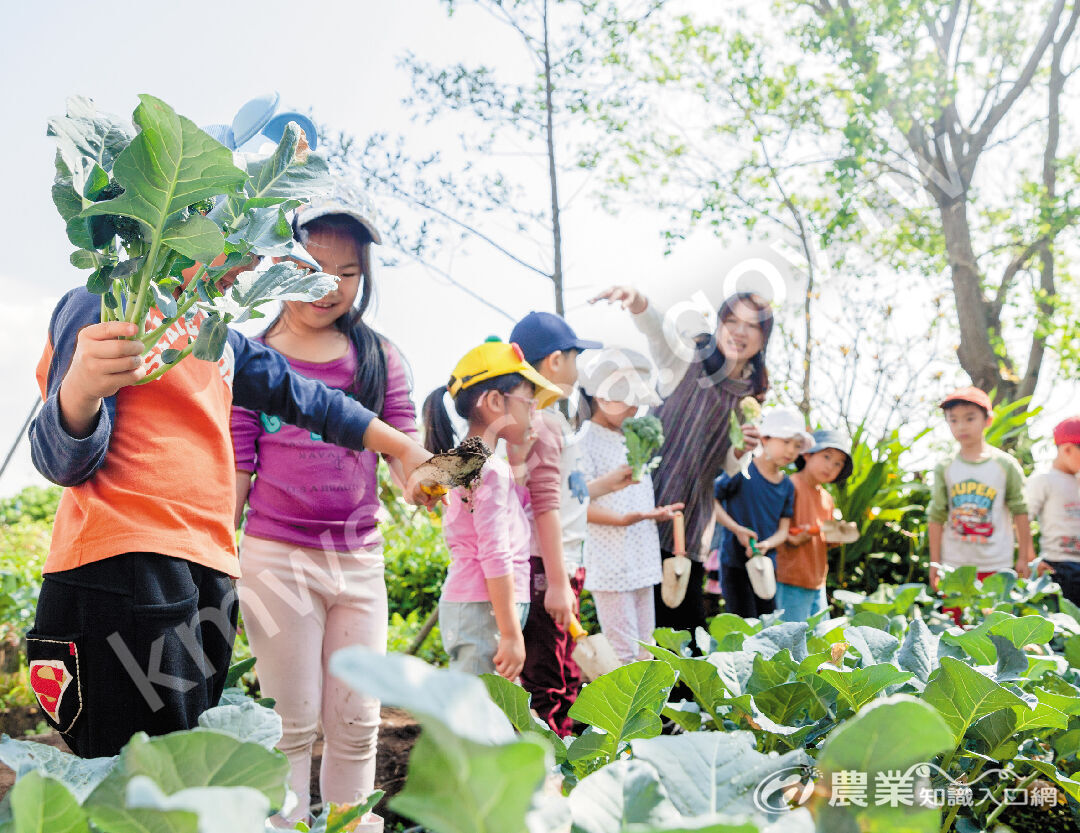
point(308, 492)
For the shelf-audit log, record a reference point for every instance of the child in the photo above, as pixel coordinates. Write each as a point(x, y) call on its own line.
point(979, 491)
point(314, 505)
point(557, 487)
point(758, 507)
point(1053, 498)
point(143, 549)
point(622, 550)
point(487, 531)
point(802, 562)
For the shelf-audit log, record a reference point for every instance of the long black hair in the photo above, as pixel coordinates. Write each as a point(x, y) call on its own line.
point(369, 380)
point(439, 428)
point(714, 359)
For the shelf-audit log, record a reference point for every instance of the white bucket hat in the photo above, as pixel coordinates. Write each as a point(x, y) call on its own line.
point(783, 424)
point(618, 374)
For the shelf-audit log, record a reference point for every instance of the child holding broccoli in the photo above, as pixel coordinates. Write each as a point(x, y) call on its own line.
point(802, 561)
point(622, 550)
point(756, 510)
point(137, 611)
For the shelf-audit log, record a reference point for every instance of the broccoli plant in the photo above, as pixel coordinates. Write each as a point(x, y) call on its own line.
point(145, 206)
point(750, 410)
point(644, 436)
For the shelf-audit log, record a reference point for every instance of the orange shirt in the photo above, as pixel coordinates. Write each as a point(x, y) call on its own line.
point(167, 485)
point(806, 565)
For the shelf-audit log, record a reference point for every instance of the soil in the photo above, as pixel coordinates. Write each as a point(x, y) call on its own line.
point(397, 734)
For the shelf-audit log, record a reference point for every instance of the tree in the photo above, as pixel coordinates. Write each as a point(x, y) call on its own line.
point(926, 114)
point(450, 196)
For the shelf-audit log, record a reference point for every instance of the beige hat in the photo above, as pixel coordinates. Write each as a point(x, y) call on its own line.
point(619, 375)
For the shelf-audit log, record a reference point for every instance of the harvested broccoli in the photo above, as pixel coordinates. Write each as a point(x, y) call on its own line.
point(644, 437)
point(750, 409)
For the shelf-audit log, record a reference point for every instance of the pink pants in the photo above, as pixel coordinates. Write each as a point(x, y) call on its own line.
point(299, 606)
point(626, 617)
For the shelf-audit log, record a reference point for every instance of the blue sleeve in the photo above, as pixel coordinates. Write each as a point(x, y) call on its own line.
point(60, 457)
point(726, 486)
point(789, 499)
point(264, 381)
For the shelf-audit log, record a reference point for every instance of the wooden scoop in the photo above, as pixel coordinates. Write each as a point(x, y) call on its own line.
point(593, 654)
point(460, 466)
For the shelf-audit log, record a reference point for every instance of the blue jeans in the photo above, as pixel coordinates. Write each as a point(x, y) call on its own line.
point(799, 603)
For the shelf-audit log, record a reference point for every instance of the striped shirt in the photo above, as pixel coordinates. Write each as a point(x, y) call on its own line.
point(695, 414)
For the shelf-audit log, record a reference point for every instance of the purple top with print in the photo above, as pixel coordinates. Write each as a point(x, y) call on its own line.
point(308, 492)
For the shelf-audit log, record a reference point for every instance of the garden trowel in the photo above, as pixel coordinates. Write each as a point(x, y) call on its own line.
point(593, 654)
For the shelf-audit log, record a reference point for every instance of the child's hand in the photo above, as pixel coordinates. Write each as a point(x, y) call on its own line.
point(743, 536)
point(1023, 568)
point(105, 360)
point(799, 538)
point(1044, 568)
point(631, 299)
point(559, 602)
point(665, 513)
point(617, 479)
point(414, 492)
point(934, 578)
point(510, 655)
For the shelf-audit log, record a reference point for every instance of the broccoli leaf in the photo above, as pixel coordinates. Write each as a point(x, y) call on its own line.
point(644, 437)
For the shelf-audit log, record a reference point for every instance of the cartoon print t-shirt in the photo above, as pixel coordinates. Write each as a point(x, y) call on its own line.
point(976, 502)
point(1054, 500)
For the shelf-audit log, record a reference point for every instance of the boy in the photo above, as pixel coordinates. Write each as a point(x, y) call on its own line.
point(758, 506)
point(979, 492)
point(1054, 499)
point(802, 562)
point(556, 482)
point(143, 550)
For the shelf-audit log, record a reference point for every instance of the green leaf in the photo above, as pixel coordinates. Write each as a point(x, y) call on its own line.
point(1068, 784)
point(699, 675)
point(86, 138)
point(918, 652)
point(238, 670)
point(79, 775)
point(704, 773)
point(187, 759)
point(169, 165)
point(248, 722)
point(976, 641)
point(962, 695)
point(789, 636)
point(730, 630)
point(284, 175)
point(218, 809)
point(210, 343)
point(790, 704)
point(44, 805)
point(621, 794)
point(994, 730)
point(514, 702)
point(195, 237)
point(873, 646)
point(1026, 630)
point(734, 668)
point(861, 685)
point(626, 702)
point(672, 640)
point(1072, 651)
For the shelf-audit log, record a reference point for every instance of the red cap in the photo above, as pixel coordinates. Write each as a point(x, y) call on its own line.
point(1067, 431)
point(971, 395)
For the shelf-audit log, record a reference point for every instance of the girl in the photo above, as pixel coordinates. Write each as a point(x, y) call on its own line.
point(703, 377)
point(311, 554)
point(485, 598)
point(622, 550)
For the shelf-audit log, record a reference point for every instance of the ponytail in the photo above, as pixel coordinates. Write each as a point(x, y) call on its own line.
point(439, 434)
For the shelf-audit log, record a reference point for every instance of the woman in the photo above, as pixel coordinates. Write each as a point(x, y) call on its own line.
point(702, 379)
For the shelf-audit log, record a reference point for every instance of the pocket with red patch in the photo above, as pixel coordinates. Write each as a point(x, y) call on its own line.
point(54, 678)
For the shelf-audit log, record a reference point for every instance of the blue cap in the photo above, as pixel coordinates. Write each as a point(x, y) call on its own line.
point(258, 122)
point(539, 334)
point(828, 438)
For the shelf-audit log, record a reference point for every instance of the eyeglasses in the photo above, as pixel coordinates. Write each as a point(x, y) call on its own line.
point(533, 404)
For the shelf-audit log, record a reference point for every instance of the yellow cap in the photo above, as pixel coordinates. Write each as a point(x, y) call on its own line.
point(495, 358)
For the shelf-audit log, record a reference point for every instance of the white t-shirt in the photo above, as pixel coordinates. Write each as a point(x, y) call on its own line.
point(618, 558)
point(976, 503)
point(1054, 499)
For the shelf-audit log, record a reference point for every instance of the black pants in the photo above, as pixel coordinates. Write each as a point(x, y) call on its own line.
point(739, 596)
point(139, 642)
point(691, 613)
point(1067, 574)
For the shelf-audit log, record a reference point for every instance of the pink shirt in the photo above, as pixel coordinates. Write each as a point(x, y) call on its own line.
point(488, 534)
point(306, 491)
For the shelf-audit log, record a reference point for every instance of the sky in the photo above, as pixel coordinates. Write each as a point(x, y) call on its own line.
point(338, 60)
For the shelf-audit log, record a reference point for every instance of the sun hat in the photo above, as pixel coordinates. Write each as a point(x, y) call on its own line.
point(1067, 431)
point(258, 122)
point(497, 358)
point(542, 333)
point(619, 375)
point(319, 208)
point(970, 395)
point(827, 438)
point(783, 424)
